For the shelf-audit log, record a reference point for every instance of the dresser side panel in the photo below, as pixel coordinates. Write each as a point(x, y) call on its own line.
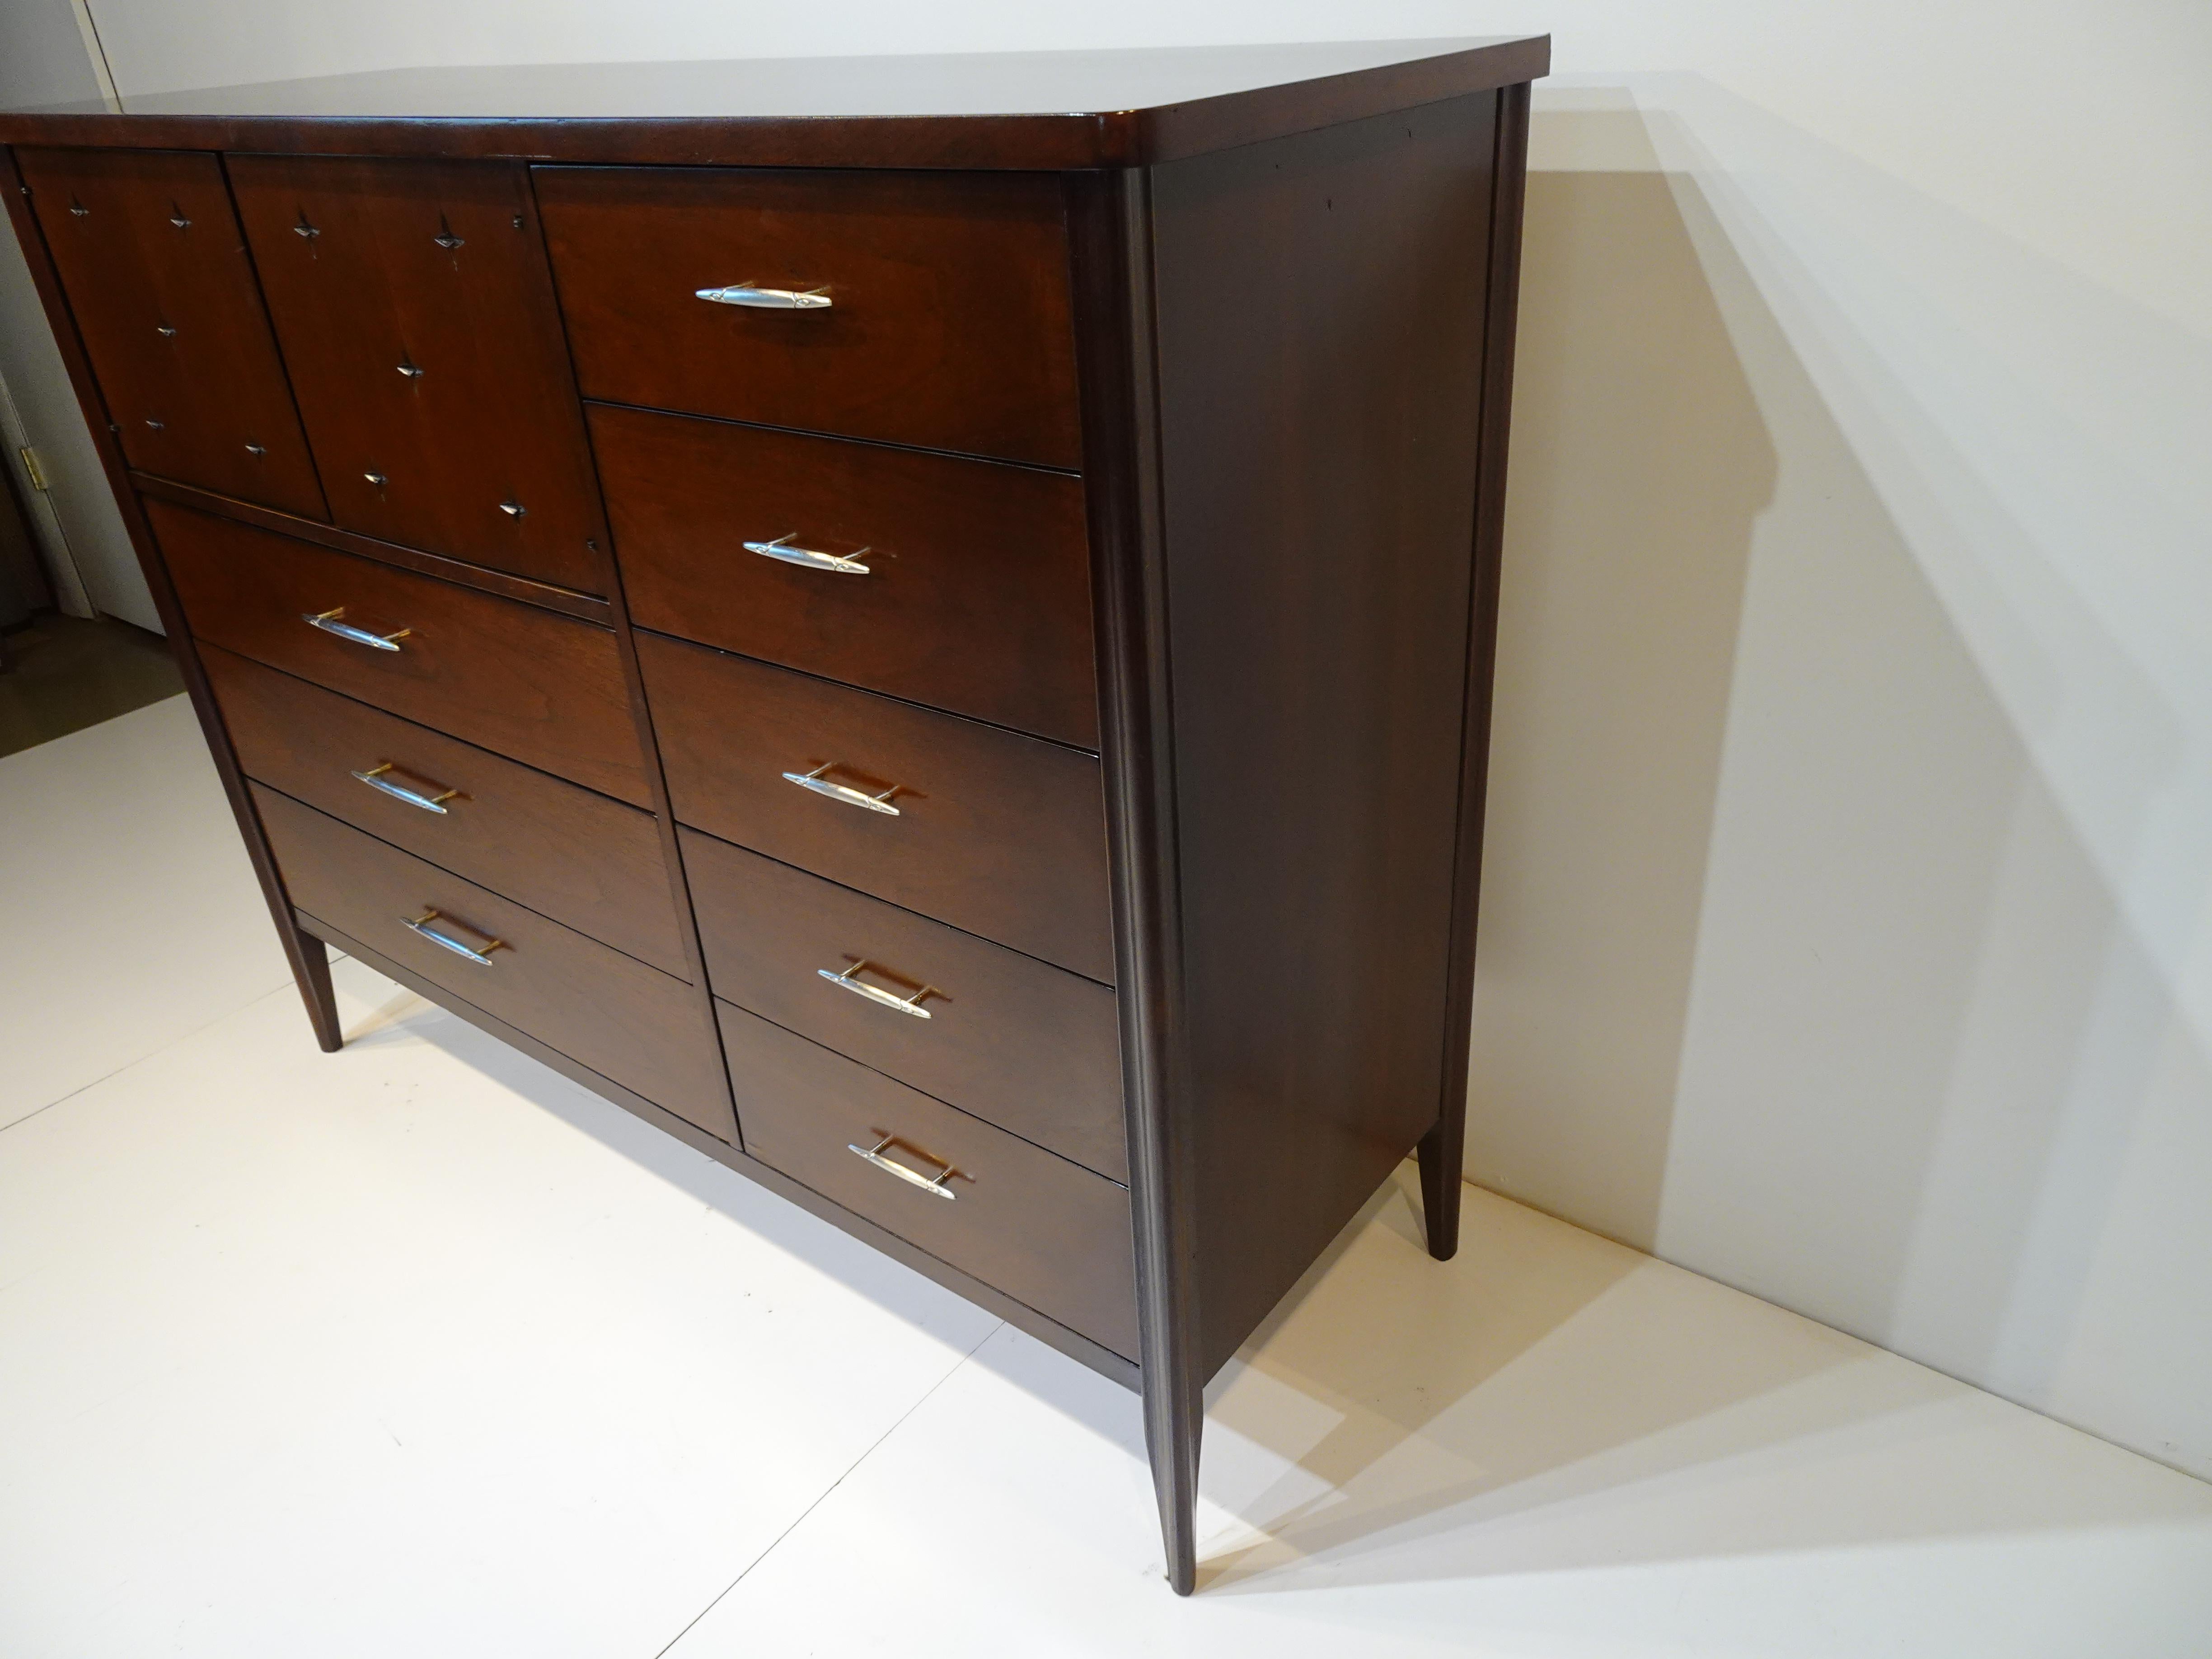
point(1320, 305)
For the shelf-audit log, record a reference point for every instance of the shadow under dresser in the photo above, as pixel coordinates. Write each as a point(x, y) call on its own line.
point(925, 627)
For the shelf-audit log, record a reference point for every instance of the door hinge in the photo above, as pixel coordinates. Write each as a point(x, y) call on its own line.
point(31, 468)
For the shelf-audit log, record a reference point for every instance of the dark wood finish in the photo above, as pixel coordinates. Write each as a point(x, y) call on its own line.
point(949, 323)
point(1000, 835)
point(574, 855)
point(1051, 1331)
point(977, 598)
point(1028, 1047)
point(1284, 339)
point(159, 282)
point(1047, 110)
point(1443, 1149)
point(539, 688)
point(1318, 736)
point(1049, 1233)
point(419, 325)
point(303, 952)
point(605, 1010)
point(679, 889)
point(591, 609)
point(1109, 225)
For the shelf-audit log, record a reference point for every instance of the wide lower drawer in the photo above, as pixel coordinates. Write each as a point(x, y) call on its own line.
point(961, 584)
point(543, 689)
point(578, 857)
point(936, 308)
point(1036, 1226)
point(1027, 1046)
point(998, 834)
point(626, 1021)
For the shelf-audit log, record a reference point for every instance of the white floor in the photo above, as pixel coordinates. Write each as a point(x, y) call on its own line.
point(420, 1349)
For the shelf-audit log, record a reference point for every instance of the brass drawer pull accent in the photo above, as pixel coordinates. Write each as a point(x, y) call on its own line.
point(165, 330)
point(904, 1005)
point(376, 478)
point(914, 1177)
point(257, 449)
point(767, 299)
point(482, 958)
point(410, 371)
point(305, 230)
point(513, 509)
point(845, 564)
point(822, 786)
point(329, 623)
point(177, 217)
point(374, 779)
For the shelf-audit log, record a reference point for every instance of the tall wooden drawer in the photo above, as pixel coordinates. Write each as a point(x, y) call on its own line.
point(579, 857)
point(605, 1010)
point(977, 591)
point(1043, 1230)
point(1000, 835)
point(949, 324)
point(163, 294)
point(419, 323)
point(1028, 1047)
point(543, 689)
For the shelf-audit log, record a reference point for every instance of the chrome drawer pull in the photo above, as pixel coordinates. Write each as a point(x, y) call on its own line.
point(482, 958)
point(904, 1005)
point(329, 623)
point(374, 779)
point(847, 564)
point(767, 299)
point(927, 1183)
point(822, 786)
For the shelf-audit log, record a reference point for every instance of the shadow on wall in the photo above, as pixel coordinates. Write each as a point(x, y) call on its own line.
point(1840, 891)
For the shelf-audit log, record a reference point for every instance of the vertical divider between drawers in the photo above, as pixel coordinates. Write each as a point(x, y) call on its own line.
point(640, 712)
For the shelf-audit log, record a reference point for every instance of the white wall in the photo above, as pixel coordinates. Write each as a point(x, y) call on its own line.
point(1848, 920)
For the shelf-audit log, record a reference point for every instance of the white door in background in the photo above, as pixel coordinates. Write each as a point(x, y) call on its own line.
point(44, 59)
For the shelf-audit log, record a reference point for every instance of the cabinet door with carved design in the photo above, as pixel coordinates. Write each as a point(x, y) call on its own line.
point(416, 314)
point(162, 292)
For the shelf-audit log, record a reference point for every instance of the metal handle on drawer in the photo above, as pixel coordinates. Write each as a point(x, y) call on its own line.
point(845, 564)
point(329, 623)
point(767, 299)
point(822, 786)
point(874, 994)
point(374, 779)
point(421, 925)
point(927, 1183)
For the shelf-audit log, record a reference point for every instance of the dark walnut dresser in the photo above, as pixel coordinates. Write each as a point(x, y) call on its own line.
point(923, 624)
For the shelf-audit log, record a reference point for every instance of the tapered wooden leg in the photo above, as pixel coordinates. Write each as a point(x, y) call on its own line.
point(1173, 1428)
point(311, 972)
point(1440, 1179)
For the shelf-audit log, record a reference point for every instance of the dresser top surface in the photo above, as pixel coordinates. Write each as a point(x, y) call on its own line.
point(1019, 110)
